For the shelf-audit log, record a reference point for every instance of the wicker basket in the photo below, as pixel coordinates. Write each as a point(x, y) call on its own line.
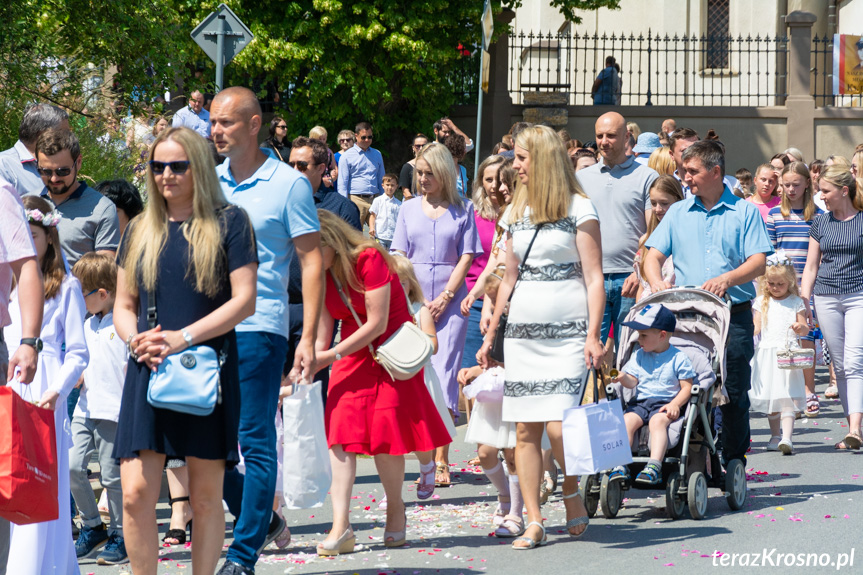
point(794, 356)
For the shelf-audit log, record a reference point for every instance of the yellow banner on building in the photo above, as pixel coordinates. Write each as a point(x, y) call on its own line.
point(847, 64)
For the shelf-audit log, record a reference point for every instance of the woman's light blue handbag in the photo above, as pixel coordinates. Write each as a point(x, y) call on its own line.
point(189, 381)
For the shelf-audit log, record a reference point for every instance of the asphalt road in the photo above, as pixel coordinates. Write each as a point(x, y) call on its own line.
point(804, 507)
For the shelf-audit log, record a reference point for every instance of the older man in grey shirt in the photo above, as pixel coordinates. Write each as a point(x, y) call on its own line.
point(619, 188)
point(18, 163)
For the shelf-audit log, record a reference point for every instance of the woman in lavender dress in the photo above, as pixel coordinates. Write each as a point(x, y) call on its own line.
point(438, 235)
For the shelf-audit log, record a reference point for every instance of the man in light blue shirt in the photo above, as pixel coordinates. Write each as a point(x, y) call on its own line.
point(194, 116)
point(361, 172)
point(281, 208)
point(718, 242)
point(18, 164)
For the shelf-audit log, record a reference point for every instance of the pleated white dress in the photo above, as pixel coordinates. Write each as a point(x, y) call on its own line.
point(42, 548)
point(547, 327)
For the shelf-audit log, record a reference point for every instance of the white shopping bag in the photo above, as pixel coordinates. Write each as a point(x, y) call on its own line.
point(594, 438)
point(306, 472)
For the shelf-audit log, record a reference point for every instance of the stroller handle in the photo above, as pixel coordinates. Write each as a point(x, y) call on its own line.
point(725, 296)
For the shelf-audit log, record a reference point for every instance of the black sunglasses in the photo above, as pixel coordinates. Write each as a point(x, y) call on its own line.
point(365, 138)
point(301, 165)
point(61, 172)
point(282, 127)
point(346, 139)
point(179, 167)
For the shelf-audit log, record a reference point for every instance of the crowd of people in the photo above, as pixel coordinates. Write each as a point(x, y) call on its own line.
point(257, 252)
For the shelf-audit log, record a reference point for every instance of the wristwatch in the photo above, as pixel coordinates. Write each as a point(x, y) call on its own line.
point(33, 342)
point(187, 336)
point(448, 293)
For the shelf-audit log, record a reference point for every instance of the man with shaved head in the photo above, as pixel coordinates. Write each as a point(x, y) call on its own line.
point(281, 207)
point(194, 116)
point(619, 188)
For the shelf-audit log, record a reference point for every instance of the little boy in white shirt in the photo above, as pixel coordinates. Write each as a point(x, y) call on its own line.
point(384, 212)
point(94, 422)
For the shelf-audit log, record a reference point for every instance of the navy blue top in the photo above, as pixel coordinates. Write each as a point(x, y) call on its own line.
point(841, 269)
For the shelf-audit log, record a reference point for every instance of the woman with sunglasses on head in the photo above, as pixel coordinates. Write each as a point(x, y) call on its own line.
point(196, 254)
point(279, 142)
point(406, 176)
point(346, 140)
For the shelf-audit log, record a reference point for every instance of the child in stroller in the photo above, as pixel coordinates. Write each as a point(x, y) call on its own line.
point(663, 376)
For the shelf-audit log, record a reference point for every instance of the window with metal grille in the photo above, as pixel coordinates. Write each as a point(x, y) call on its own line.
point(716, 51)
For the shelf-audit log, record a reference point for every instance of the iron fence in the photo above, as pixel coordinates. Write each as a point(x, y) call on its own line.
point(464, 78)
point(654, 69)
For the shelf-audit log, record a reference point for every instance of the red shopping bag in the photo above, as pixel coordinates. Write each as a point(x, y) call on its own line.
point(28, 461)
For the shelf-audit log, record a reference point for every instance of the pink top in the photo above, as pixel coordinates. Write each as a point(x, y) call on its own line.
point(764, 209)
point(16, 243)
point(485, 228)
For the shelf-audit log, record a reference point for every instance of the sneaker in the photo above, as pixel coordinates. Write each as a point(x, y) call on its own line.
point(786, 447)
point(277, 526)
point(90, 539)
point(231, 568)
point(114, 552)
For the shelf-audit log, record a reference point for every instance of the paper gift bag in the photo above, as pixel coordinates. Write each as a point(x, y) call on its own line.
point(594, 438)
point(306, 471)
point(28, 461)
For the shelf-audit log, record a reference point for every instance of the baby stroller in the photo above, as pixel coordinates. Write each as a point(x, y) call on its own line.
point(691, 458)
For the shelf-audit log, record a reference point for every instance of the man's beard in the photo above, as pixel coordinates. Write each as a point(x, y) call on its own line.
point(62, 190)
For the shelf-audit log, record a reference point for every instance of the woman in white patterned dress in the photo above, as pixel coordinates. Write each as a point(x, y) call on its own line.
point(552, 336)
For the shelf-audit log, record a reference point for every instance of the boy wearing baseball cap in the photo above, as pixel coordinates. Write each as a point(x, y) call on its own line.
point(662, 376)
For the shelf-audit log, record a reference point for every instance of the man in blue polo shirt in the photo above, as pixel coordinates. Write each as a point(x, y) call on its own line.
point(719, 242)
point(279, 202)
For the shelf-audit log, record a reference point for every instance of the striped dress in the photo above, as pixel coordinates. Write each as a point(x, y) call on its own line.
point(791, 234)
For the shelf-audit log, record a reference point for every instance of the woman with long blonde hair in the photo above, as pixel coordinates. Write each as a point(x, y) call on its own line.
point(195, 257)
point(439, 235)
point(555, 315)
point(366, 411)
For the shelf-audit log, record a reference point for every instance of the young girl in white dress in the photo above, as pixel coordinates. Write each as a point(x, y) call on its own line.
point(777, 312)
point(48, 547)
point(487, 429)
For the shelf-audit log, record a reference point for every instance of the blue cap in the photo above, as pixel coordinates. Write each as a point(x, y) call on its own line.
point(647, 143)
point(653, 316)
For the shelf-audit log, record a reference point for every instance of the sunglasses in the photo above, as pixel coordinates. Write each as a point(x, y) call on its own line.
point(61, 172)
point(91, 293)
point(178, 167)
point(281, 127)
point(346, 139)
point(301, 165)
point(364, 138)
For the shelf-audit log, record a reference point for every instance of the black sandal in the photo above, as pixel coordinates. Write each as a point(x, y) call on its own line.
point(178, 534)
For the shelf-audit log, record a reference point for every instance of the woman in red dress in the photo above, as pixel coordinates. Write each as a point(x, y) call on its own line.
point(367, 412)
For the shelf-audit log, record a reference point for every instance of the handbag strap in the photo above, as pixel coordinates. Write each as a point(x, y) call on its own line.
point(153, 320)
point(524, 261)
point(347, 302)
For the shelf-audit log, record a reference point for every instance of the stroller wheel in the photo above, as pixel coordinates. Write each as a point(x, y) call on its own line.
point(697, 495)
point(588, 488)
point(610, 497)
point(674, 503)
point(735, 485)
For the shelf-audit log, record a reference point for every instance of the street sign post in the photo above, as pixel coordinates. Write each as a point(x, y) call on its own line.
point(487, 22)
point(222, 35)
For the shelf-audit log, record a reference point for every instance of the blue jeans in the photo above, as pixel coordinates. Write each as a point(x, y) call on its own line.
point(473, 341)
point(735, 414)
point(261, 355)
point(616, 306)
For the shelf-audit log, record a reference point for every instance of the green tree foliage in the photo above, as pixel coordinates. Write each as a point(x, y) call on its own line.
point(331, 62)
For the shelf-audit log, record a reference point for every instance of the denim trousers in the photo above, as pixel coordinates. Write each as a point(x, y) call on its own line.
point(616, 306)
point(735, 414)
point(261, 355)
point(473, 341)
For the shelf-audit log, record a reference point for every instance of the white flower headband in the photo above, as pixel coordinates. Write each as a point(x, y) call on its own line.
point(45, 220)
point(778, 258)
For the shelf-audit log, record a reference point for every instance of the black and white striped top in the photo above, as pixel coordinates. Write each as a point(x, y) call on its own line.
point(841, 269)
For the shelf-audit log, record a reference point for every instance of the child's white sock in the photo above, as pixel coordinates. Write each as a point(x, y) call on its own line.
point(517, 506)
point(773, 421)
point(787, 425)
point(498, 478)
